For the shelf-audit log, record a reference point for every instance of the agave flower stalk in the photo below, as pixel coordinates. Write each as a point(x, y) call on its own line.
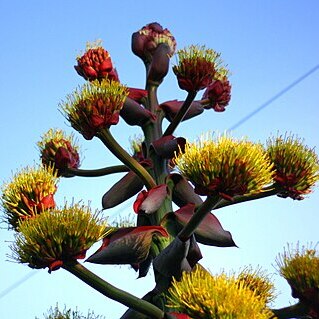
point(181, 114)
point(97, 172)
point(107, 138)
point(112, 292)
point(200, 213)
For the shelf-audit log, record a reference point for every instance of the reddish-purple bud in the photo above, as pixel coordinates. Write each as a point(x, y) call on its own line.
point(168, 146)
point(135, 114)
point(218, 95)
point(125, 188)
point(95, 64)
point(159, 65)
point(171, 108)
point(146, 40)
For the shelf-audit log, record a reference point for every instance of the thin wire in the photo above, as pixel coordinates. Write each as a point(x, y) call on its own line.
point(17, 284)
point(275, 97)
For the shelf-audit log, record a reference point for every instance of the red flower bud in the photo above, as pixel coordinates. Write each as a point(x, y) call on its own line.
point(95, 64)
point(171, 108)
point(135, 114)
point(168, 146)
point(218, 94)
point(160, 63)
point(196, 68)
point(146, 40)
point(59, 150)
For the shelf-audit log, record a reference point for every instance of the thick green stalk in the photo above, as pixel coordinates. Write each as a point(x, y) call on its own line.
point(199, 215)
point(265, 193)
point(180, 115)
point(112, 292)
point(98, 172)
point(107, 138)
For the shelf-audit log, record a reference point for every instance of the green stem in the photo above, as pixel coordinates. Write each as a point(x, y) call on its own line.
point(199, 215)
point(107, 138)
point(181, 113)
point(295, 311)
point(98, 172)
point(265, 193)
point(112, 292)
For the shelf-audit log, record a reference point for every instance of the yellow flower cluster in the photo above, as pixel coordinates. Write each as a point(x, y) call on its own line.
point(59, 150)
point(225, 166)
point(197, 67)
point(296, 165)
point(300, 267)
point(203, 296)
point(29, 193)
point(94, 106)
point(58, 236)
point(259, 282)
point(58, 137)
point(196, 54)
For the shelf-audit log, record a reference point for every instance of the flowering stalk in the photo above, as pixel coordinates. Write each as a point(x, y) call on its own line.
point(107, 138)
point(266, 192)
point(97, 172)
point(112, 292)
point(201, 212)
point(180, 115)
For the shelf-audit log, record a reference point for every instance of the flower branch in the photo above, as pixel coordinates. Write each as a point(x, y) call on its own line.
point(107, 138)
point(112, 292)
point(200, 213)
point(180, 115)
point(97, 172)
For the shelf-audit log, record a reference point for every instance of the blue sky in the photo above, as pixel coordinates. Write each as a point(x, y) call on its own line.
point(266, 44)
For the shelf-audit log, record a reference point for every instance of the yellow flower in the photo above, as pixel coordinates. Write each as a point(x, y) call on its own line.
point(225, 166)
point(58, 236)
point(29, 193)
point(197, 67)
point(296, 165)
point(95, 106)
point(300, 267)
point(203, 296)
point(259, 282)
point(59, 150)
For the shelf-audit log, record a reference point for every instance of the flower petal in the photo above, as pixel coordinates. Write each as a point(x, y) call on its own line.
point(209, 232)
point(124, 189)
point(149, 202)
point(129, 245)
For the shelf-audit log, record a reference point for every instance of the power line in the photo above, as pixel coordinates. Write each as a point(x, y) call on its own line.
point(275, 97)
point(17, 284)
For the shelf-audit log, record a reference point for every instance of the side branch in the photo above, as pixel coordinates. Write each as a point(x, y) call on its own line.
point(112, 292)
point(97, 172)
point(180, 115)
point(109, 141)
point(199, 215)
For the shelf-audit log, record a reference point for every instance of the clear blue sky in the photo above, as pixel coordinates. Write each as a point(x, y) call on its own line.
point(266, 44)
